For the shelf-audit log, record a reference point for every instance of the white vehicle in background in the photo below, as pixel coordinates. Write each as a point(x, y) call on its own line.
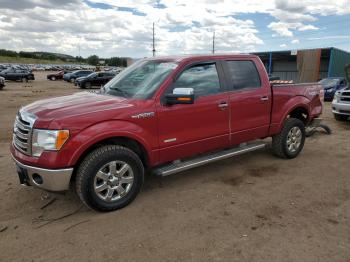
point(2, 82)
point(39, 68)
point(341, 104)
point(341, 101)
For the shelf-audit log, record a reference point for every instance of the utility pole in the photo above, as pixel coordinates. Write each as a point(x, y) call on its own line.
point(213, 50)
point(154, 47)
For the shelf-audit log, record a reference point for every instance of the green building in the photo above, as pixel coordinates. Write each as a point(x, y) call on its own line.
point(284, 64)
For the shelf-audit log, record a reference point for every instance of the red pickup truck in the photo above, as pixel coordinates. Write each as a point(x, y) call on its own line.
point(161, 115)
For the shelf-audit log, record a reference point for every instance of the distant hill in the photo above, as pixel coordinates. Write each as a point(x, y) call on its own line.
point(58, 55)
point(9, 56)
point(13, 56)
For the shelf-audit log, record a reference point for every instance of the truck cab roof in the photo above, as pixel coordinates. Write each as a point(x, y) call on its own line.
point(182, 58)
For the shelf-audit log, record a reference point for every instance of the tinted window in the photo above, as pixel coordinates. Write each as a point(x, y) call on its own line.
point(243, 74)
point(202, 78)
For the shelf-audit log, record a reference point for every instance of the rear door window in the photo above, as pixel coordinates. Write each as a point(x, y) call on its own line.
point(243, 74)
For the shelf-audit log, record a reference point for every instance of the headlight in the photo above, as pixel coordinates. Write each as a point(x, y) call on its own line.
point(48, 140)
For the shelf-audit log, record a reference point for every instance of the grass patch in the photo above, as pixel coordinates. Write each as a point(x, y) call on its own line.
point(23, 60)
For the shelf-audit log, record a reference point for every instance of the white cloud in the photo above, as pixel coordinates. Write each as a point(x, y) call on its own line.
point(182, 26)
point(295, 41)
point(307, 27)
point(116, 32)
point(283, 45)
point(281, 29)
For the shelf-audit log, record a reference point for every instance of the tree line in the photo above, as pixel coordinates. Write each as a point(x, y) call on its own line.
point(92, 60)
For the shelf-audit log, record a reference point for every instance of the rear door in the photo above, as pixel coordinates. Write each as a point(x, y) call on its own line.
point(190, 129)
point(13, 75)
point(249, 99)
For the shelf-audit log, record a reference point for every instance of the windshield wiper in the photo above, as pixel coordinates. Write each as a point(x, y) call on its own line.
point(125, 94)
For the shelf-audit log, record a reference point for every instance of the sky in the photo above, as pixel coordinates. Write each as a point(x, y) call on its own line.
point(124, 27)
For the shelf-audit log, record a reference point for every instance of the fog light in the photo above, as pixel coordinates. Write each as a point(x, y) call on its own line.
point(37, 179)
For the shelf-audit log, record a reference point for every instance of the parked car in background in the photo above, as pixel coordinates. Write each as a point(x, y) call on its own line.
point(161, 115)
point(17, 74)
point(341, 104)
point(56, 76)
point(71, 77)
point(2, 82)
point(341, 101)
point(95, 79)
point(332, 85)
point(39, 68)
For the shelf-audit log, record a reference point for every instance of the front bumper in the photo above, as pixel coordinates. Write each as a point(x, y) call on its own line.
point(48, 179)
point(341, 108)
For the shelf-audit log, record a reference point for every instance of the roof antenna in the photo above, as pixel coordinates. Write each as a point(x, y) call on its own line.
point(213, 50)
point(154, 47)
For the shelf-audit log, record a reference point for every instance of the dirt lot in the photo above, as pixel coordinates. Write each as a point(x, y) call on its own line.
point(251, 208)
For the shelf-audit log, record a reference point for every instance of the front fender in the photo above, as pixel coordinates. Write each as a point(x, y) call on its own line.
point(84, 139)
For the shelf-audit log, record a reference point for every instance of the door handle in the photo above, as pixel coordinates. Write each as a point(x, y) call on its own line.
point(222, 105)
point(264, 98)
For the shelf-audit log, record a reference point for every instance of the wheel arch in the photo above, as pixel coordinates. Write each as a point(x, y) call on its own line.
point(300, 112)
point(131, 143)
point(296, 109)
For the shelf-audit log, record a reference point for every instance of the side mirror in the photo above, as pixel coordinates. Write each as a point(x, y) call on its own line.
point(180, 96)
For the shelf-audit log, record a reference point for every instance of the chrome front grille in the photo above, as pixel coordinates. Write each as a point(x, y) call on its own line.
point(345, 97)
point(22, 132)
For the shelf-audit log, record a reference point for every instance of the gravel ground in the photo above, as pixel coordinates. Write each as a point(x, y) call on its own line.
point(254, 207)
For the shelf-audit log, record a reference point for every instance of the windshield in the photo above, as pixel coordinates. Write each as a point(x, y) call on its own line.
point(329, 81)
point(92, 75)
point(140, 80)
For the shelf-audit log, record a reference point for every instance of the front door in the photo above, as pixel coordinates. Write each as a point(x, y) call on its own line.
point(190, 129)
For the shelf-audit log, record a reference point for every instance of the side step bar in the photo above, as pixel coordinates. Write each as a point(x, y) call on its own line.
point(202, 160)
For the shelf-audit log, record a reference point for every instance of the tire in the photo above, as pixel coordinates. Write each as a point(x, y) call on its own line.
point(53, 78)
point(72, 80)
point(87, 85)
point(339, 117)
point(24, 79)
point(292, 133)
point(94, 180)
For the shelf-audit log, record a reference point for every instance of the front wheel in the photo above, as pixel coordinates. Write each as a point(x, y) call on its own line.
point(109, 178)
point(290, 141)
point(24, 79)
point(53, 78)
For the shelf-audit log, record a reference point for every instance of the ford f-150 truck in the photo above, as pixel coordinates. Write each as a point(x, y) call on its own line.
point(161, 115)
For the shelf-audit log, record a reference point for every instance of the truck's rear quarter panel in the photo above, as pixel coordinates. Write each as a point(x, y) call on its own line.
point(289, 97)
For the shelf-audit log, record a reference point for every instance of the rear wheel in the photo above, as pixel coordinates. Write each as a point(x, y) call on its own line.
point(339, 117)
point(109, 178)
point(290, 141)
point(53, 78)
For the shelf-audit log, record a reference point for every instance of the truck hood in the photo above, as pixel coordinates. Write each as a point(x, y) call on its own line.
point(73, 105)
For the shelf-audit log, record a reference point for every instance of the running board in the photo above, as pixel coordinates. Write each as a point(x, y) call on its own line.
point(202, 160)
